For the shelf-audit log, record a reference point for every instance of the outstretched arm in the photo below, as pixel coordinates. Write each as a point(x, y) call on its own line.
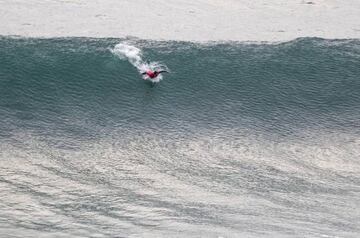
point(163, 71)
point(143, 73)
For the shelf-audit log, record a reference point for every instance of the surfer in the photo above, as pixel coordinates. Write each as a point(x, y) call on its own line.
point(153, 74)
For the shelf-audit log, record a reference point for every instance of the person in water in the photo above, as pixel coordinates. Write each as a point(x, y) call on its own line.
point(153, 74)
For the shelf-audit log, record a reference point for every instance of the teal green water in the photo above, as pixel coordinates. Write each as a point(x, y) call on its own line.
point(238, 140)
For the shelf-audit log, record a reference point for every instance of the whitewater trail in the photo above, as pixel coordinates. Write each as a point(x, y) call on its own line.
point(133, 54)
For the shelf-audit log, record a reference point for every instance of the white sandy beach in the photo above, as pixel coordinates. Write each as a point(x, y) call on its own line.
point(188, 20)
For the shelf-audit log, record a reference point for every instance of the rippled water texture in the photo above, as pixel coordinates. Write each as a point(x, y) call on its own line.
point(239, 140)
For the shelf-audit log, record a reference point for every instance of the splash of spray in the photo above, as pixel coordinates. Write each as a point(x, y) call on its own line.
point(133, 54)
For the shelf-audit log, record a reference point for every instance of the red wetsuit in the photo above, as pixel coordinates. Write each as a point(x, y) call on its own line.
point(152, 74)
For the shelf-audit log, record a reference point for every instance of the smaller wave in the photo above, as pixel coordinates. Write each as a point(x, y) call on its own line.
point(133, 54)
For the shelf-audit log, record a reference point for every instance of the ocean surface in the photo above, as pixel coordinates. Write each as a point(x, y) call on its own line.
point(238, 140)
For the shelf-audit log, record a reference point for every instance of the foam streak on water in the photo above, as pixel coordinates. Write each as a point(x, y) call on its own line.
point(134, 56)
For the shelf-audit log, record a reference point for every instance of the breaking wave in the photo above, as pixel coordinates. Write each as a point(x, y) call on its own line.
point(247, 141)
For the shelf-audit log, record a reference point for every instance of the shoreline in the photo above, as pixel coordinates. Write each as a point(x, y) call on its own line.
point(200, 21)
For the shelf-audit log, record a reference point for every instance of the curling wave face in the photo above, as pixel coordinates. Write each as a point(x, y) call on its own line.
point(247, 141)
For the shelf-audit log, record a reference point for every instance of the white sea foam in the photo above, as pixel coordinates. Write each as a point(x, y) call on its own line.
point(201, 20)
point(126, 51)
